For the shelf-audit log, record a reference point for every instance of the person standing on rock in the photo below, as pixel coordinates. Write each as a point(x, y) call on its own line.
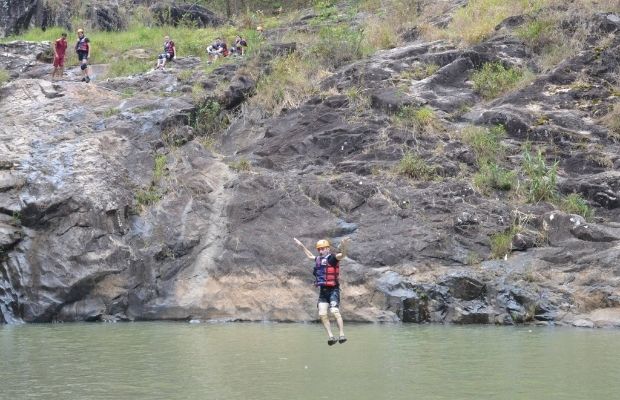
point(169, 53)
point(60, 48)
point(326, 274)
point(82, 48)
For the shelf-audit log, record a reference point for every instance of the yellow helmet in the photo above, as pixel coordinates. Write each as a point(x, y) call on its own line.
point(322, 243)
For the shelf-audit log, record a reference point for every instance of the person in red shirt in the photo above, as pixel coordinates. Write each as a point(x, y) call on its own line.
point(60, 48)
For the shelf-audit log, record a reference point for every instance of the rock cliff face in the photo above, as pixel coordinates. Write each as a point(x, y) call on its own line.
point(18, 15)
point(113, 207)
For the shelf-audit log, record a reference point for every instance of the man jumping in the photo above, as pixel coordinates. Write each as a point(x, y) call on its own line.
point(326, 273)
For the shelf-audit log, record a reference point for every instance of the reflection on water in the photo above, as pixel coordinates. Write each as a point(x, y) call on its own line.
point(293, 361)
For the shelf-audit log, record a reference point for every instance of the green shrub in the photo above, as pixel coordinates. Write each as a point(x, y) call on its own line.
point(612, 121)
point(148, 197)
point(485, 142)
point(536, 33)
point(243, 165)
point(501, 243)
point(209, 118)
point(411, 117)
point(111, 112)
point(4, 76)
point(159, 170)
point(575, 204)
point(412, 166)
point(337, 45)
point(541, 183)
point(325, 10)
point(477, 20)
point(289, 83)
point(420, 71)
point(494, 79)
point(492, 176)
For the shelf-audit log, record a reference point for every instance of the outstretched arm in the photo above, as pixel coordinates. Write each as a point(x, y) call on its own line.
point(342, 247)
point(306, 251)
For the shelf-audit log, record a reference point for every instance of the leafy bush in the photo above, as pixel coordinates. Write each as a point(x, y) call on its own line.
point(148, 196)
point(478, 19)
point(612, 121)
point(209, 118)
point(421, 71)
point(536, 33)
point(492, 176)
point(421, 118)
point(485, 142)
point(501, 243)
point(288, 84)
point(575, 204)
point(159, 170)
point(412, 166)
point(243, 165)
point(494, 79)
point(541, 184)
point(338, 45)
point(4, 76)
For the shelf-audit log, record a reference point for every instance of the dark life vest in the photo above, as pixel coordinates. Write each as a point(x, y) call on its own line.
point(326, 274)
point(82, 44)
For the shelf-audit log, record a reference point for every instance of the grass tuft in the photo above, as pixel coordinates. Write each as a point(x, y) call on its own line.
point(4, 76)
point(494, 79)
point(485, 142)
point(574, 203)
point(242, 165)
point(612, 121)
point(413, 166)
point(288, 85)
point(541, 183)
point(422, 118)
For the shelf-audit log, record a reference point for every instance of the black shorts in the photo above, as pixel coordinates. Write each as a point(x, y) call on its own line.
point(82, 55)
point(167, 56)
point(330, 294)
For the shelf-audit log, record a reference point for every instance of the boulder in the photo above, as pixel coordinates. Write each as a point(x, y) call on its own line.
point(190, 13)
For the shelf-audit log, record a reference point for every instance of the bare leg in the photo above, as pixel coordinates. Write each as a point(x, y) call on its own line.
point(324, 318)
point(326, 324)
point(340, 323)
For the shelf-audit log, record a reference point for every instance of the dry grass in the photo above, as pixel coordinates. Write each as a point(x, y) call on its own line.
point(291, 82)
point(477, 21)
point(612, 122)
point(389, 18)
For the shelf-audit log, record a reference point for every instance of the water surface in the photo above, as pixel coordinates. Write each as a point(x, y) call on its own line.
point(293, 361)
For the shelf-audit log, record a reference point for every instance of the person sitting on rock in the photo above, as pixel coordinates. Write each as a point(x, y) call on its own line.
point(238, 47)
point(60, 48)
point(169, 53)
point(216, 49)
point(326, 273)
point(82, 48)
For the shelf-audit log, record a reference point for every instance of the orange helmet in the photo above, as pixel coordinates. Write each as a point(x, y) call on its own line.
point(322, 243)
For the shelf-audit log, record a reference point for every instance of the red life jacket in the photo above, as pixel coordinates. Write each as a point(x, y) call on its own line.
point(326, 274)
point(169, 48)
point(82, 44)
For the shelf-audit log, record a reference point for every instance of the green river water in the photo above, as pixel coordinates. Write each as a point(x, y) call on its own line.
point(292, 361)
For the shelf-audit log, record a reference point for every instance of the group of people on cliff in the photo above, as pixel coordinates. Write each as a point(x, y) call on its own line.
point(217, 49)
